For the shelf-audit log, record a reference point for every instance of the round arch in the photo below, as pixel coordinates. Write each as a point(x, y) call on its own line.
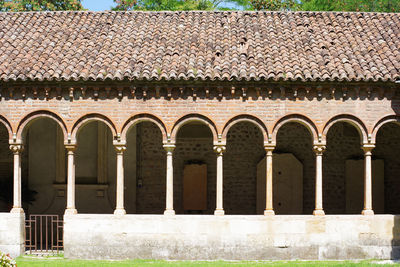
point(33, 116)
point(245, 118)
point(309, 124)
point(141, 118)
point(381, 122)
point(89, 118)
point(194, 118)
point(6, 124)
point(356, 122)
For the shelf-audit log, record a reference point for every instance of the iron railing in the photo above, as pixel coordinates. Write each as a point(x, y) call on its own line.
point(43, 234)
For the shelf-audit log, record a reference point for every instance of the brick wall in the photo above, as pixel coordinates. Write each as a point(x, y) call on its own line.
point(220, 111)
point(244, 141)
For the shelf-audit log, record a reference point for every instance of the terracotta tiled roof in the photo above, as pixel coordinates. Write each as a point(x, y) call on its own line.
point(304, 46)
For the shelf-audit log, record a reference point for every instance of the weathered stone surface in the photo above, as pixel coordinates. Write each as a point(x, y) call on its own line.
point(12, 233)
point(233, 237)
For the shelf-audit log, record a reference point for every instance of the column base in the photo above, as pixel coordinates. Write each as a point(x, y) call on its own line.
point(318, 212)
point(219, 212)
point(17, 210)
point(119, 212)
point(367, 212)
point(169, 212)
point(70, 212)
point(269, 212)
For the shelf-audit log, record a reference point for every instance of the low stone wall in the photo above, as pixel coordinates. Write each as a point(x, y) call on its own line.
point(208, 237)
point(12, 233)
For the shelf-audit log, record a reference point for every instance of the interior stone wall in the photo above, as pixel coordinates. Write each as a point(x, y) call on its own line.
point(244, 149)
point(388, 149)
point(145, 163)
point(194, 150)
point(6, 168)
point(151, 166)
point(343, 143)
point(41, 162)
point(296, 139)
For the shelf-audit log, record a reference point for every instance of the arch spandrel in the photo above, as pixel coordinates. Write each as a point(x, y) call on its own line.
point(353, 120)
point(89, 118)
point(308, 123)
point(33, 116)
point(143, 118)
point(194, 118)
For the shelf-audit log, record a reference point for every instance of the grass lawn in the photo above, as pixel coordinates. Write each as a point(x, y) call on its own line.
point(59, 262)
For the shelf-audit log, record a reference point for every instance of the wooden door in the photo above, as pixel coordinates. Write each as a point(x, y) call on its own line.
point(195, 187)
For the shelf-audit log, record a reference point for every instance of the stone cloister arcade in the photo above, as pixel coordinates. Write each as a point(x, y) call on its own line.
point(93, 167)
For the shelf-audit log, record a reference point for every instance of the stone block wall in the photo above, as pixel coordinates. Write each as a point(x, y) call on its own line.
point(12, 233)
point(241, 237)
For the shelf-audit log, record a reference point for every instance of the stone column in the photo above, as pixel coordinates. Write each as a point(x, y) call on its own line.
point(319, 150)
point(120, 210)
point(169, 210)
point(269, 210)
point(17, 187)
point(70, 181)
point(219, 149)
point(368, 179)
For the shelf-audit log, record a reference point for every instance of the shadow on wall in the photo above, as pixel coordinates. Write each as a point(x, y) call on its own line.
point(395, 254)
point(396, 226)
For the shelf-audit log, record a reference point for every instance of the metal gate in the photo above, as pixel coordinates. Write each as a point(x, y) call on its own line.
point(43, 234)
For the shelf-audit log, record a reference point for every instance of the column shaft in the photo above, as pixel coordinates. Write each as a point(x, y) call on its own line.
point(169, 210)
point(368, 180)
point(120, 210)
point(17, 183)
point(318, 180)
point(219, 149)
point(70, 181)
point(269, 210)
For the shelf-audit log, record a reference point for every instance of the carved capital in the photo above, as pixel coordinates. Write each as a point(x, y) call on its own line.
point(169, 147)
point(16, 148)
point(70, 148)
point(319, 149)
point(367, 148)
point(219, 149)
point(120, 149)
point(269, 149)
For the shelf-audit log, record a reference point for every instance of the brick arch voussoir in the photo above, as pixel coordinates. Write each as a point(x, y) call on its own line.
point(142, 118)
point(81, 122)
point(298, 118)
point(351, 119)
point(245, 118)
point(193, 118)
point(381, 122)
point(30, 118)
